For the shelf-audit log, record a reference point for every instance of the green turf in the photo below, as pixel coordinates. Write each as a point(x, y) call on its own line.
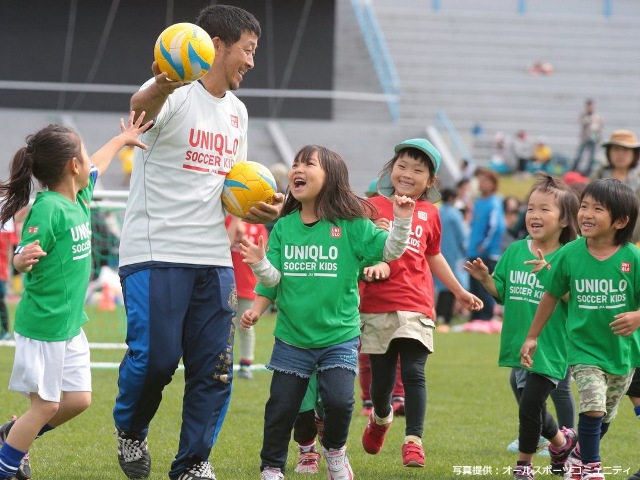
point(471, 418)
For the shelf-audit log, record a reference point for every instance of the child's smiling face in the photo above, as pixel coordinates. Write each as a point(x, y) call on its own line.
point(410, 176)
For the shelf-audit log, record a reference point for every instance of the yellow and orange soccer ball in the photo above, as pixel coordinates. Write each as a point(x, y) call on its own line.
point(184, 51)
point(247, 184)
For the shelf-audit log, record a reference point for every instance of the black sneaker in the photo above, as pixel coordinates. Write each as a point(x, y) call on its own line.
point(198, 471)
point(133, 455)
point(24, 470)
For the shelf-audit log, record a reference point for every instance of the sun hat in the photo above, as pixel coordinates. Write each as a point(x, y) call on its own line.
point(384, 184)
point(623, 138)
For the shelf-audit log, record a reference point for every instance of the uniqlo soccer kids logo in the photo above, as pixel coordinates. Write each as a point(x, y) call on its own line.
point(335, 232)
point(423, 216)
point(32, 230)
point(625, 267)
point(234, 121)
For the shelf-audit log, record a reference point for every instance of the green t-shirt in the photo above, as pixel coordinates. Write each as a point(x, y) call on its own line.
point(317, 297)
point(52, 304)
point(600, 289)
point(520, 292)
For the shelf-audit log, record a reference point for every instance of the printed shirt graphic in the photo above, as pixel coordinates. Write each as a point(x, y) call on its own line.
point(520, 292)
point(410, 286)
point(52, 304)
point(600, 289)
point(317, 297)
point(174, 212)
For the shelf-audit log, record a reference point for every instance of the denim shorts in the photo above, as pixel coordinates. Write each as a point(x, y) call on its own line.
point(287, 358)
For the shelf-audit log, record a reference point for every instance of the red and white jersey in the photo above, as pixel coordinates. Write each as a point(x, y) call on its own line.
point(245, 279)
point(410, 285)
point(174, 213)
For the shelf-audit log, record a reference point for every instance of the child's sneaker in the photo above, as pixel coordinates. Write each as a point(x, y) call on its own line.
point(373, 435)
point(271, 474)
point(367, 408)
point(523, 472)
point(308, 462)
point(24, 470)
point(592, 471)
point(635, 476)
point(559, 455)
point(542, 448)
point(412, 455)
point(397, 403)
point(338, 467)
point(245, 372)
point(573, 466)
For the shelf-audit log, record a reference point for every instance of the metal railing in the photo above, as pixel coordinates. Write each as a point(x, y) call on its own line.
point(377, 47)
point(521, 5)
point(460, 150)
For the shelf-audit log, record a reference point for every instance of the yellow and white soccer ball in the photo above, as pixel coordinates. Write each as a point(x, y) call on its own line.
point(184, 51)
point(247, 184)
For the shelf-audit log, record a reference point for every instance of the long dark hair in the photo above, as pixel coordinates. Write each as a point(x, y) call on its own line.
point(44, 157)
point(336, 200)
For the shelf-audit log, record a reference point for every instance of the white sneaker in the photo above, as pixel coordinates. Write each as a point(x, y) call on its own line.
point(271, 474)
point(338, 467)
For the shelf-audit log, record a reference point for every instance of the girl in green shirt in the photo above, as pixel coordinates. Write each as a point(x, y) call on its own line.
point(55, 256)
point(518, 284)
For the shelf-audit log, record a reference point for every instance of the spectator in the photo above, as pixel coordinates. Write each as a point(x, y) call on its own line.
point(590, 133)
point(542, 156)
point(512, 210)
point(485, 238)
point(622, 152)
point(8, 240)
point(453, 248)
point(521, 148)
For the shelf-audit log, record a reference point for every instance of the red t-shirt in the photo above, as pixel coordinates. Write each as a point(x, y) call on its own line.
point(8, 240)
point(245, 279)
point(410, 285)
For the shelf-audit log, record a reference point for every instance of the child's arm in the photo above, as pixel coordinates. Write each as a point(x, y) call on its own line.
point(441, 269)
point(254, 256)
point(128, 136)
point(398, 237)
point(26, 257)
point(250, 317)
point(625, 323)
point(545, 308)
point(380, 271)
point(478, 270)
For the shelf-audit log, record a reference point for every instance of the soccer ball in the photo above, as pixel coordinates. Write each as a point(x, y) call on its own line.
point(247, 184)
point(184, 51)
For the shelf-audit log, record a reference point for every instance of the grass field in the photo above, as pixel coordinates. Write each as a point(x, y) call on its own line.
point(471, 418)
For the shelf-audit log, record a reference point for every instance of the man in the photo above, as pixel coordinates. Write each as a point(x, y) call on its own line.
point(590, 134)
point(175, 262)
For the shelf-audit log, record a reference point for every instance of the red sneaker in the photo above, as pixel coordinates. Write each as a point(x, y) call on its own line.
point(412, 455)
point(373, 436)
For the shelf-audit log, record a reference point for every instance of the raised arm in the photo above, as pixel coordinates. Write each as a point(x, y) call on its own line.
point(152, 98)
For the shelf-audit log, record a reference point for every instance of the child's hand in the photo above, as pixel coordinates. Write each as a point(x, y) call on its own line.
point(477, 269)
point(403, 206)
point(526, 352)
point(381, 271)
point(538, 264)
point(249, 318)
point(133, 130)
point(625, 323)
point(382, 223)
point(250, 252)
point(469, 300)
point(29, 256)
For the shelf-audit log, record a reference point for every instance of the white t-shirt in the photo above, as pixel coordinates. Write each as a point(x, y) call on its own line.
point(174, 213)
